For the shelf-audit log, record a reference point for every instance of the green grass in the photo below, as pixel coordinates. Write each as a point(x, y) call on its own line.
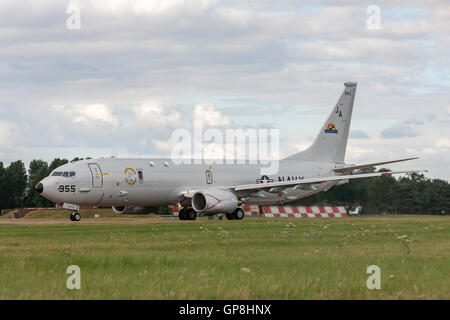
point(250, 259)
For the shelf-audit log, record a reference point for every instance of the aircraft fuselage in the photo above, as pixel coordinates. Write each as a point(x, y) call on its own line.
point(149, 182)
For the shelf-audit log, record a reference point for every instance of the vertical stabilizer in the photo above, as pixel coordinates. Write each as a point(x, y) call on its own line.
point(331, 142)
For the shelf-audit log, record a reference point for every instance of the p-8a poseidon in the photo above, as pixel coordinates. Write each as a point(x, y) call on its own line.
point(135, 185)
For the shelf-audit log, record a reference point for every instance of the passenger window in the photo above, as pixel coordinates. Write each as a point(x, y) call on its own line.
point(72, 174)
point(140, 175)
point(65, 174)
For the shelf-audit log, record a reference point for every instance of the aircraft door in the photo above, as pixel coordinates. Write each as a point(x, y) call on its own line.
point(97, 176)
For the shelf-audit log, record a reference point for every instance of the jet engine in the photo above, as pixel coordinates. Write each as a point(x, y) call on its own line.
point(133, 210)
point(214, 201)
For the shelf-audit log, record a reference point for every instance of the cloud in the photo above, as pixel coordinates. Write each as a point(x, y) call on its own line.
point(155, 116)
point(164, 145)
point(88, 113)
point(205, 113)
point(360, 153)
point(137, 70)
point(8, 133)
point(358, 134)
point(399, 131)
point(443, 143)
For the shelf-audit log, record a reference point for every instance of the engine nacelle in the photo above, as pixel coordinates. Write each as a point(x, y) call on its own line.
point(133, 210)
point(214, 201)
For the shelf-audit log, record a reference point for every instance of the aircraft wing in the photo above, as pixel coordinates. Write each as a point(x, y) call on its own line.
point(275, 186)
point(348, 169)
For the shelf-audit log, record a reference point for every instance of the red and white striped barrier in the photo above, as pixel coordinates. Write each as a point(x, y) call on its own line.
point(251, 210)
point(303, 212)
point(289, 211)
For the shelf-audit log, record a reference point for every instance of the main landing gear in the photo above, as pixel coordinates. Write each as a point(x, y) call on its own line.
point(187, 214)
point(75, 216)
point(190, 214)
point(237, 214)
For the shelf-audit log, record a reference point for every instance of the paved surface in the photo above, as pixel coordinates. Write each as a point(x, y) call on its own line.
point(85, 221)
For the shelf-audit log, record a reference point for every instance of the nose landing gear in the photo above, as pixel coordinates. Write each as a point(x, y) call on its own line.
point(75, 216)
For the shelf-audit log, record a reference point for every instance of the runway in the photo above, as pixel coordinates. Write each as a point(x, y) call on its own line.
point(86, 221)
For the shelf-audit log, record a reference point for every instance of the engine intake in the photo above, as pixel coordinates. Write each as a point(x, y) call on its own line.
point(214, 201)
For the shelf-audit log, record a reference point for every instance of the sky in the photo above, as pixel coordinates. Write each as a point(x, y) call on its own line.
point(116, 78)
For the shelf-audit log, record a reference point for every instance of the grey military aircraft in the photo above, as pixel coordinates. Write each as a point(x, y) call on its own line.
point(135, 185)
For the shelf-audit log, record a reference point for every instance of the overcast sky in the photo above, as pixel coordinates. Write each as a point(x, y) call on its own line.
point(137, 70)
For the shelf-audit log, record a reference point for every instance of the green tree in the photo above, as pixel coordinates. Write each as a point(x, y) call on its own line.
point(3, 187)
point(16, 184)
point(37, 171)
point(56, 163)
point(380, 193)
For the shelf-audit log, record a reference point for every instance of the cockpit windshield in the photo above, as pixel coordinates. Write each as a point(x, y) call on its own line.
point(65, 174)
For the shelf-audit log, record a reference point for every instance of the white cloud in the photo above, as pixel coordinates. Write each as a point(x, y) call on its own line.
point(360, 153)
point(145, 7)
point(443, 143)
point(8, 134)
point(88, 113)
point(164, 145)
point(256, 61)
point(153, 115)
point(207, 114)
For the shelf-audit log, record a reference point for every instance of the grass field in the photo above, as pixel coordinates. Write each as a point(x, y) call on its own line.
point(257, 258)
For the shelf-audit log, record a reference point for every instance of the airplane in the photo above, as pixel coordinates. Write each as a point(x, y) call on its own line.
point(136, 185)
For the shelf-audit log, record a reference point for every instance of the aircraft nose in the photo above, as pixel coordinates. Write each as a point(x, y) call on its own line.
point(39, 187)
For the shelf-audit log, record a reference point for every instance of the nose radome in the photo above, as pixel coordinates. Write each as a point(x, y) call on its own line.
point(39, 187)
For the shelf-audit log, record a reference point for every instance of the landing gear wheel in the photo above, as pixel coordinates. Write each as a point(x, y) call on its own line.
point(191, 214)
point(182, 214)
point(75, 216)
point(229, 216)
point(238, 214)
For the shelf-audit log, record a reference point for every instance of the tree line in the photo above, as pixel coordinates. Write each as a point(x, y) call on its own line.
point(17, 185)
point(410, 194)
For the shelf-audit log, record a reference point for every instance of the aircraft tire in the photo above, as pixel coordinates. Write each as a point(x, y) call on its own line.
point(191, 214)
point(182, 214)
point(75, 216)
point(238, 214)
point(229, 216)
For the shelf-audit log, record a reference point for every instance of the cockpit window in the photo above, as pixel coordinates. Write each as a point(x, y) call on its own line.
point(65, 174)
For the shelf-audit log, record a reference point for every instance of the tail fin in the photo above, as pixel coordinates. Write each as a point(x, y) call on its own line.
point(331, 142)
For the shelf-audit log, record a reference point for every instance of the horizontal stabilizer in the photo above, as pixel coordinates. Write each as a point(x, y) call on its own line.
point(355, 167)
